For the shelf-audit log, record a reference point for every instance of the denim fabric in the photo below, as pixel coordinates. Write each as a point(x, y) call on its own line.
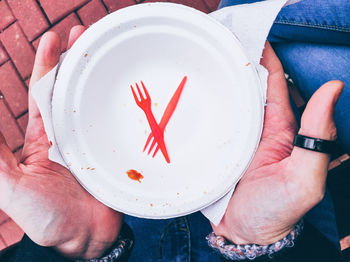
point(171, 240)
point(313, 21)
point(309, 21)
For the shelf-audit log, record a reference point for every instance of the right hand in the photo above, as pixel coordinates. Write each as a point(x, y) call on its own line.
point(282, 182)
point(43, 197)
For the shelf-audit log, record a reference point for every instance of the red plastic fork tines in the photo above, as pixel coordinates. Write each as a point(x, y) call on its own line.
point(145, 104)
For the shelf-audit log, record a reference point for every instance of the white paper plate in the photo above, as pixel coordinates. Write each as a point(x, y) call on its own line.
point(211, 136)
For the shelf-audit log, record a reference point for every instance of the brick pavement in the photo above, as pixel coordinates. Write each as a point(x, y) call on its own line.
point(22, 23)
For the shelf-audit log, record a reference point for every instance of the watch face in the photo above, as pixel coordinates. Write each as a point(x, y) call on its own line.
point(203, 109)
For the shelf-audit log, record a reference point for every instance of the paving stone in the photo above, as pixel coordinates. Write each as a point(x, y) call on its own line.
point(11, 232)
point(63, 29)
point(92, 12)
point(35, 43)
point(57, 9)
point(197, 4)
point(6, 16)
point(12, 88)
point(114, 5)
point(156, 1)
point(27, 82)
point(3, 56)
point(29, 16)
point(23, 122)
point(9, 128)
point(212, 4)
point(19, 49)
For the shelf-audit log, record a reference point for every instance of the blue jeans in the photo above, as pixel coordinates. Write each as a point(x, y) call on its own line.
point(171, 240)
point(309, 38)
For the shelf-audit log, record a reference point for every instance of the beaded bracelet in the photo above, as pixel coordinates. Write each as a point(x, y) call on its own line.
point(120, 249)
point(251, 251)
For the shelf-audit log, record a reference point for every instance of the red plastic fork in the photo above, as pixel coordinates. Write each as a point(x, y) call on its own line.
point(145, 105)
point(166, 116)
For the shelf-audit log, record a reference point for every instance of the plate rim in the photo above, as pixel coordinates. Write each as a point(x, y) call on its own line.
point(261, 95)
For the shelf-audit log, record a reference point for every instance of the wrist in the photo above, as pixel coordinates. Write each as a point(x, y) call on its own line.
point(100, 231)
point(242, 234)
point(120, 250)
point(238, 252)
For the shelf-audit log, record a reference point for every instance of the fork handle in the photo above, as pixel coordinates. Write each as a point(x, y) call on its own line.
point(157, 133)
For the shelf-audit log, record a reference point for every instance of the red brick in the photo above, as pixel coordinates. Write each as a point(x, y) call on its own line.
point(114, 5)
point(63, 29)
point(23, 122)
point(29, 16)
point(57, 9)
point(3, 56)
point(12, 88)
point(212, 4)
point(11, 232)
point(6, 16)
point(3, 217)
point(35, 43)
point(27, 82)
point(9, 128)
point(19, 49)
point(156, 1)
point(92, 12)
point(197, 4)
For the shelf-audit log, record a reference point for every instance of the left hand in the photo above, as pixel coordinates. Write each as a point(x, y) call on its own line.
point(43, 197)
point(283, 182)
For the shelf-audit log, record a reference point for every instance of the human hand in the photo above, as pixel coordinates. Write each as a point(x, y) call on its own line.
point(283, 182)
point(43, 197)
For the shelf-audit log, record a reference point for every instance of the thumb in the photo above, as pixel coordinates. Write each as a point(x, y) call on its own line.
point(8, 173)
point(317, 120)
point(310, 168)
point(7, 159)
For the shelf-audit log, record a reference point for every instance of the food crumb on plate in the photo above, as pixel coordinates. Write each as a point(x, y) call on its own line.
point(248, 64)
point(134, 175)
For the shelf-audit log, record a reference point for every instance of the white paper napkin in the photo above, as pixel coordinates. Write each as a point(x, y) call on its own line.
point(250, 23)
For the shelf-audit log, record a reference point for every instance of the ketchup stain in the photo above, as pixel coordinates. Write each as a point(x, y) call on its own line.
point(134, 175)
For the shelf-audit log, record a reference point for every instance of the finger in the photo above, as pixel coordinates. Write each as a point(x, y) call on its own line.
point(309, 167)
point(278, 113)
point(74, 34)
point(277, 91)
point(9, 173)
point(47, 57)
